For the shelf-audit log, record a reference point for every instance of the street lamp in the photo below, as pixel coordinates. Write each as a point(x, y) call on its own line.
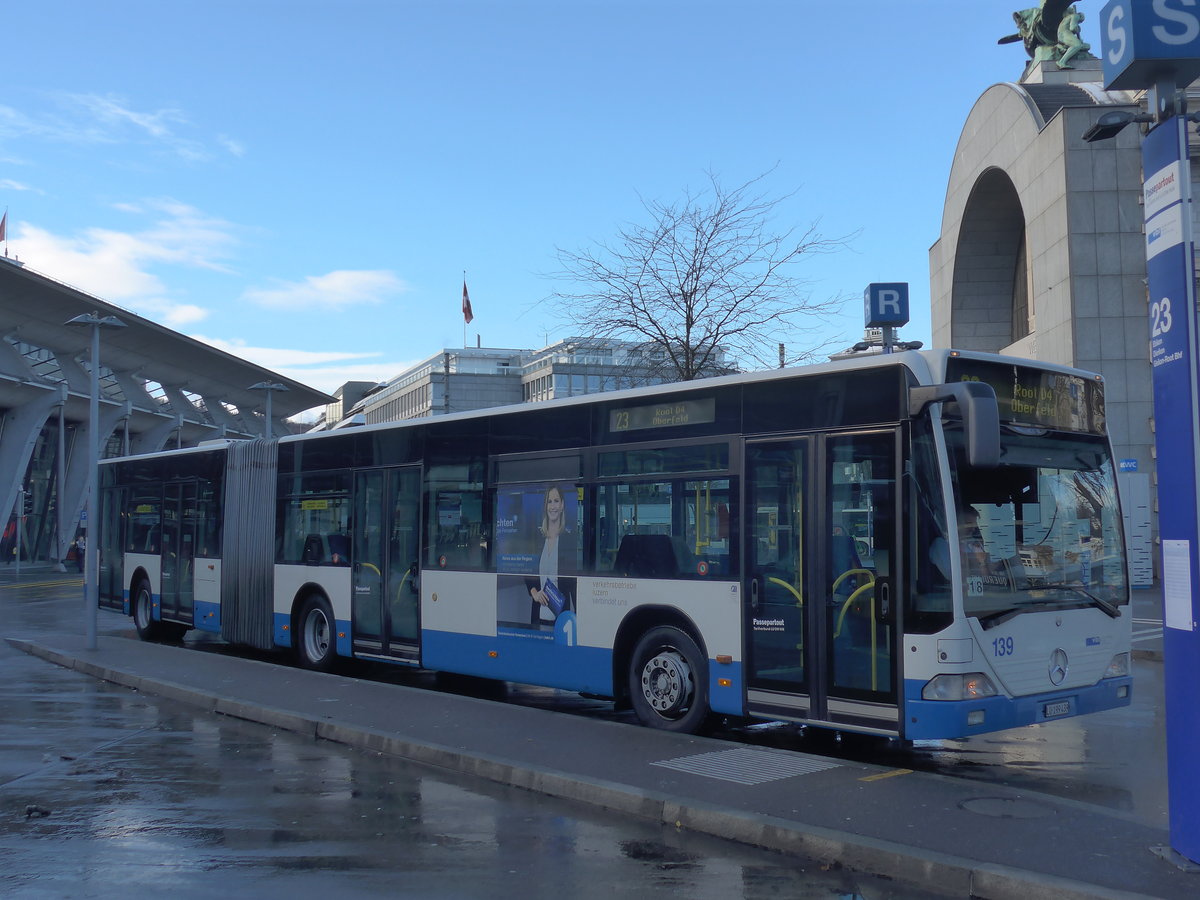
point(91, 568)
point(1108, 125)
point(269, 387)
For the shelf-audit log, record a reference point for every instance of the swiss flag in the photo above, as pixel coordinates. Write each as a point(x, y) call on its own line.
point(467, 314)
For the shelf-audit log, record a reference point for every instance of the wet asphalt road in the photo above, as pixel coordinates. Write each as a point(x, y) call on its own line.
point(105, 792)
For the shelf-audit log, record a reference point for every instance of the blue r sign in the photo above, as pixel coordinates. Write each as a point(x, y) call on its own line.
point(887, 304)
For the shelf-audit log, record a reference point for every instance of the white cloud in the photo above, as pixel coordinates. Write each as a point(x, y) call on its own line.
point(235, 147)
point(101, 262)
point(173, 315)
point(7, 184)
point(335, 290)
point(321, 369)
point(109, 119)
point(274, 357)
point(117, 265)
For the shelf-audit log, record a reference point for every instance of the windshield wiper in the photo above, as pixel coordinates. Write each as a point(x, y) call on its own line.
point(1104, 606)
point(998, 618)
point(991, 620)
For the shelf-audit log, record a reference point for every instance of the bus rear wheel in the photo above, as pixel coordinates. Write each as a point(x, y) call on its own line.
point(315, 647)
point(143, 612)
point(668, 681)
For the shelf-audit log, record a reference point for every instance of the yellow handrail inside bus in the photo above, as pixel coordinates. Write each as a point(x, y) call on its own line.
point(791, 590)
point(400, 586)
point(799, 602)
point(870, 575)
point(858, 592)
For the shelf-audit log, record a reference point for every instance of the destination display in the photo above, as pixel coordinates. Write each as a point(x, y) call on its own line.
point(674, 414)
point(1032, 397)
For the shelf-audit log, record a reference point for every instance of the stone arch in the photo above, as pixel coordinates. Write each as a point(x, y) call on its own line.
point(990, 298)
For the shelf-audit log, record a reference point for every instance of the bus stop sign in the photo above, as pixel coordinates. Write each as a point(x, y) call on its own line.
point(1149, 41)
point(887, 304)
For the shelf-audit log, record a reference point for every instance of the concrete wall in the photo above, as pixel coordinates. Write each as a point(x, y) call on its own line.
point(1025, 179)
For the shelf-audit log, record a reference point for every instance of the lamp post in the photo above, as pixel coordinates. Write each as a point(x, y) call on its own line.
point(91, 568)
point(269, 387)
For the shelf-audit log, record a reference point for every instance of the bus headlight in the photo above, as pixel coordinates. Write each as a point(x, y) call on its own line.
point(1119, 667)
point(972, 686)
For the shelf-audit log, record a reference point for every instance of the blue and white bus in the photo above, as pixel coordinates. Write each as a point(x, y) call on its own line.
point(918, 545)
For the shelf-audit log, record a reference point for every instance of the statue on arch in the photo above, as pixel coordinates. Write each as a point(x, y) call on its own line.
point(1050, 32)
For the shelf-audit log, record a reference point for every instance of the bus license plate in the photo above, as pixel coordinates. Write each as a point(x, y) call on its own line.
point(1059, 708)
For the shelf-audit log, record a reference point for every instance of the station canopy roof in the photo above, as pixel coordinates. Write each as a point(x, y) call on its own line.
point(34, 309)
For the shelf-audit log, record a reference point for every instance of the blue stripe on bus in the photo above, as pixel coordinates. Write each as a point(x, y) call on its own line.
point(947, 719)
point(532, 657)
point(207, 616)
point(725, 699)
point(523, 655)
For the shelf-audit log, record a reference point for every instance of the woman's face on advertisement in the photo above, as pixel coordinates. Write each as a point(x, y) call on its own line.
point(554, 505)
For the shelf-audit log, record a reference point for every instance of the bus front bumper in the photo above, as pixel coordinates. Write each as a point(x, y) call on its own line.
point(951, 719)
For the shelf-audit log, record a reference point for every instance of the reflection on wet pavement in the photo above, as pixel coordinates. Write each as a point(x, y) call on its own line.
point(105, 792)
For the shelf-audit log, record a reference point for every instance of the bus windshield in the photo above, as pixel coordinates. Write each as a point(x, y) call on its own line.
point(1042, 531)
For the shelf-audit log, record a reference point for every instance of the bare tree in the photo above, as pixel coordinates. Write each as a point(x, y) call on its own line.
point(703, 287)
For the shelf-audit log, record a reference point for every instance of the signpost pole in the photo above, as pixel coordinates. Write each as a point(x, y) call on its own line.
point(1171, 280)
point(1156, 47)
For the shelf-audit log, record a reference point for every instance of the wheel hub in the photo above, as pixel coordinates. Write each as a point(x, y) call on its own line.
point(667, 682)
point(317, 634)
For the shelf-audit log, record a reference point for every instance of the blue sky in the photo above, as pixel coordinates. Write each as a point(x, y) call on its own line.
point(303, 183)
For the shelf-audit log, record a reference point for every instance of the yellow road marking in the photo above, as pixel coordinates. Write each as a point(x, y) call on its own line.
point(882, 775)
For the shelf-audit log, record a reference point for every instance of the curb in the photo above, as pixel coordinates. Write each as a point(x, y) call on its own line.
point(943, 873)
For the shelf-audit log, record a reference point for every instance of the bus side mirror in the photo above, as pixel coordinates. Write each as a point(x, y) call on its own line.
point(980, 412)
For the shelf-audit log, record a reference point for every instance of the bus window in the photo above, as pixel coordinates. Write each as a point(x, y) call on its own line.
point(208, 520)
point(664, 529)
point(930, 607)
point(859, 563)
point(314, 520)
point(455, 529)
point(143, 519)
point(1042, 531)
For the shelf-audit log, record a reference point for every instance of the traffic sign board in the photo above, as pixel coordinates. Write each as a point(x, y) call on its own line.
point(1145, 42)
point(887, 304)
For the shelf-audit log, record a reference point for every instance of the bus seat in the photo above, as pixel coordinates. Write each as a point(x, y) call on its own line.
point(314, 550)
point(646, 556)
point(685, 559)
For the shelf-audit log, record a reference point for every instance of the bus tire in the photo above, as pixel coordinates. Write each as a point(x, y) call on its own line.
point(668, 681)
point(315, 634)
point(143, 612)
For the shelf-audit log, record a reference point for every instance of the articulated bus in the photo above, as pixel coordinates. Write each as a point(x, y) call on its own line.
point(920, 545)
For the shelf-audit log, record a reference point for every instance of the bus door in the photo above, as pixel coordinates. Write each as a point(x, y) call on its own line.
point(109, 544)
point(385, 556)
point(857, 588)
point(778, 513)
point(820, 553)
point(178, 551)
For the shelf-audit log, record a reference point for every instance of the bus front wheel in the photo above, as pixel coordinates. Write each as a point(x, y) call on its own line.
point(668, 681)
point(315, 638)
